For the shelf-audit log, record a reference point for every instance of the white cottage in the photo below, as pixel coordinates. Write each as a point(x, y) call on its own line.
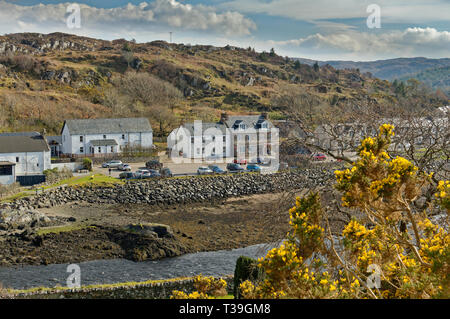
point(23, 154)
point(98, 137)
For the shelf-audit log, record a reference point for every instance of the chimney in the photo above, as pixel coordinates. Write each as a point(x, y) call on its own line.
point(264, 115)
point(223, 117)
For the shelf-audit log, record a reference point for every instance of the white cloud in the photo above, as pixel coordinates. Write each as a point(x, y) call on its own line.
point(411, 42)
point(130, 18)
point(393, 11)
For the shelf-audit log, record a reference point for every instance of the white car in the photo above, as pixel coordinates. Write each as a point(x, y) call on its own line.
point(124, 167)
point(203, 170)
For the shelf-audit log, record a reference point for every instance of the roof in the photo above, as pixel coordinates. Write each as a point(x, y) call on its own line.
point(205, 126)
point(103, 142)
point(252, 121)
point(23, 142)
point(7, 164)
point(108, 126)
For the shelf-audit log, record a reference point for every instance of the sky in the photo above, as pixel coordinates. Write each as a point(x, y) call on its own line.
point(358, 30)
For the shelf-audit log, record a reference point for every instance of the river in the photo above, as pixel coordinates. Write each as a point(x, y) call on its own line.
point(217, 263)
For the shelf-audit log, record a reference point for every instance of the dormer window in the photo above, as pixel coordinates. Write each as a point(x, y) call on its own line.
point(264, 125)
point(242, 126)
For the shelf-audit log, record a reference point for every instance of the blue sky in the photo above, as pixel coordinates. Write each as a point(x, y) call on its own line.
point(319, 29)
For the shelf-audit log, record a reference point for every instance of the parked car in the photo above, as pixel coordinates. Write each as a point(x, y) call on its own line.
point(141, 172)
point(319, 157)
point(154, 164)
point(216, 169)
point(124, 167)
point(203, 170)
point(154, 173)
point(112, 164)
point(128, 175)
point(235, 168)
point(166, 172)
point(240, 161)
point(253, 168)
point(260, 161)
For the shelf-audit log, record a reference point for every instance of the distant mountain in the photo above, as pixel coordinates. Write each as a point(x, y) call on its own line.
point(433, 72)
point(436, 78)
point(387, 69)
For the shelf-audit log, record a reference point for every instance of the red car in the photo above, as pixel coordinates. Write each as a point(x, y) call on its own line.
point(240, 161)
point(319, 157)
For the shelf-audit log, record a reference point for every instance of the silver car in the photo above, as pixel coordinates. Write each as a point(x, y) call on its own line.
point(112, 164)
point(203, 170)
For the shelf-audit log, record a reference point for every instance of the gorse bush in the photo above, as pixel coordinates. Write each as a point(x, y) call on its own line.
point(395, 251)
point(206, 288)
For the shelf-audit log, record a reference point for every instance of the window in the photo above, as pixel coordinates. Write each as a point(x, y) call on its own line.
point(214, 138)
point(99, 149)
point(224, 138)
point(81, 139)
point(112, 149)
point(6, 170)
point(192, 140)
point(104, 137)
point(198, 151)
point(81, 150)
point(17, 160)
point(37, 164)
point(123, 136)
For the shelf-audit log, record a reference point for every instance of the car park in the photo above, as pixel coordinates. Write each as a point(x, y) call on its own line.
point(216, 169)
point(203, 170)
point(112, 164)
point(253, 168)
point(235, 168)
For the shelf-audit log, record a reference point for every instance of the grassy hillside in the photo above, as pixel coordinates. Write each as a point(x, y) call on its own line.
point(45, 79)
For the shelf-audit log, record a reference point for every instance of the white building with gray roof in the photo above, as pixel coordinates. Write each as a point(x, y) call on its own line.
point(102, 137)
point(240, 137)
point(23, 154)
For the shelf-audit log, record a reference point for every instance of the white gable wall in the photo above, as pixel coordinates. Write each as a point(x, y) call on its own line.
point(30, 163)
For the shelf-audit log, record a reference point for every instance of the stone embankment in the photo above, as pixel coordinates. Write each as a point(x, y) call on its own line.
point(178, 190)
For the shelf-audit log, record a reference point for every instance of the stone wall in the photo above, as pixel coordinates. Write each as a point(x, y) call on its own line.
point(178, 190)
point(148, 290)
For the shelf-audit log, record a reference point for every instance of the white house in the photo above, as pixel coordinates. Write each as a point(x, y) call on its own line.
point(246, 136)
point(28, 152)
point(99, 137)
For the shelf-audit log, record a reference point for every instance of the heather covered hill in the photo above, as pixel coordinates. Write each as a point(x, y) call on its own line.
point(45, 79)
